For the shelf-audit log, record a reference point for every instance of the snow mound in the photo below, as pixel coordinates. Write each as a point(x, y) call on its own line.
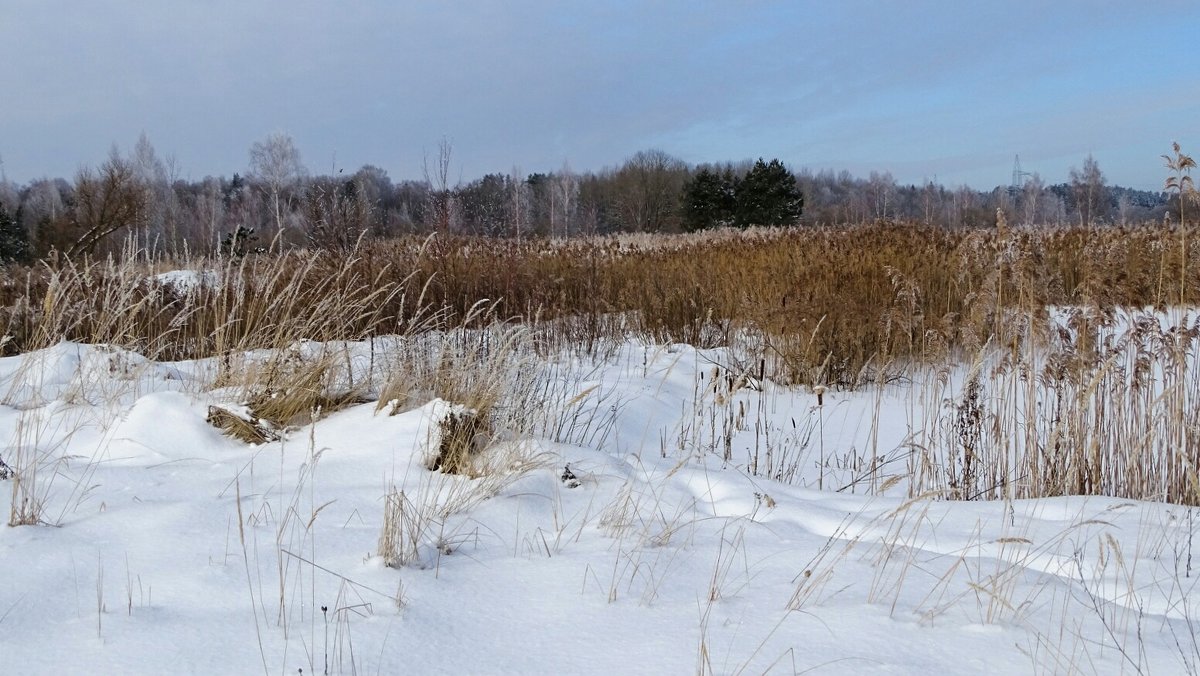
point(163, 427)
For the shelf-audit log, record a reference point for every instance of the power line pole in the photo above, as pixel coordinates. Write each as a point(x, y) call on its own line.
point(1018, 176)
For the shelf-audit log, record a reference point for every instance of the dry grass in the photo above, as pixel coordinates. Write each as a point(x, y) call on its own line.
point(1091, 399)
point(462, 435)
point(416, 529)
point(832, 302)
point(241, 425)
point(1102, 405)
point(838, 307)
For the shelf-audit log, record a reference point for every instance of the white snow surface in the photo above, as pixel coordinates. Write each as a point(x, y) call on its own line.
point(187, 280)
point(168, 547)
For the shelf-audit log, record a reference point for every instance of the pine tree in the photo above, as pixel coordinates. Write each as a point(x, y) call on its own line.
point(239, 243)
point(14, 241)
point(768, 196)
point(708, 200)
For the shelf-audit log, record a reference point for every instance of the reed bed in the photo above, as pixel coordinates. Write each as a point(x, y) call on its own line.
point(1096, 400)
point(831, 301)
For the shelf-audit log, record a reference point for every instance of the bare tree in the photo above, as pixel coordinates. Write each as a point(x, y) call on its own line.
point(1054, 209)
point(10, 197)
point(275, 161)
point(411, 211)
point(42, 207)
point(649, 189)
point(966, 209)
point(106, 202)
point(1087, 186)
point(483, 204)
point(440, 190)
point(930, 201)
point(882, 188)
point(1124, 208)
point(161, 204)
point(566, 198)
point(44, 200)
point(518, 203)
point(210, 211)
point(339, 213)
point(1031, 199)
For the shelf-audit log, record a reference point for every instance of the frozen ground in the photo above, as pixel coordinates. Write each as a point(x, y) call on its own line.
point(167, 547)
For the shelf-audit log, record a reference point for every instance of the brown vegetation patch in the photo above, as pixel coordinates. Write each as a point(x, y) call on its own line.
point(246, 427)
point(463, 435)
point(830, 302)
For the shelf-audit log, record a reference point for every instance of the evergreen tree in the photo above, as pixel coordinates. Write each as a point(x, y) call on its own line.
point(708, 200)
point(14, 241)
point(768, 196)
point(240, 242)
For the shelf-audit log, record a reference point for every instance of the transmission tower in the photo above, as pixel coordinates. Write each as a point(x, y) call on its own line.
point(1018, 176)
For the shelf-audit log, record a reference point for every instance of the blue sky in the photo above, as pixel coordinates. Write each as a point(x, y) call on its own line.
point(951, 90)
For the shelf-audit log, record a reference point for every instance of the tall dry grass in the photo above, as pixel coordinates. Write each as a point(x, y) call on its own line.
point(832, 307)
point(831, 301)
point(1101, 404)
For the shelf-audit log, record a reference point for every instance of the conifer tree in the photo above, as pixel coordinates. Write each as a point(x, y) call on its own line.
point(768, 195)
point(708, 200)
point(14, 241)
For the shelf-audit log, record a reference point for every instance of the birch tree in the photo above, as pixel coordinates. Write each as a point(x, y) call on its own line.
point(275, 162)
point(1087, 186)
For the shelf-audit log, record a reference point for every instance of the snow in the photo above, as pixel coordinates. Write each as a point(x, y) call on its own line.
point(168, 547)
point(188, 280)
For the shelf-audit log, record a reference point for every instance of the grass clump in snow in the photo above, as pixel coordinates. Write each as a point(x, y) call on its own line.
point(482, 379)
point(416, 522)
point(241, 424)
point(403, 530)
point(285, 391)
point(461, 433)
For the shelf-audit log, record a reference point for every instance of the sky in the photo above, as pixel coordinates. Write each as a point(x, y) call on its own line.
point(946, 91)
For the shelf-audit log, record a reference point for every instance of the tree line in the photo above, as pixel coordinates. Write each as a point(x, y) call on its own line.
point(137, 199)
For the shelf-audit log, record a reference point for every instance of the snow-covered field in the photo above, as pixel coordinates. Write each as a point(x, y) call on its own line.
point(646, 517)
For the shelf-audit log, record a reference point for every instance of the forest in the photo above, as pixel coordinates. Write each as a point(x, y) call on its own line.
point(138, 201)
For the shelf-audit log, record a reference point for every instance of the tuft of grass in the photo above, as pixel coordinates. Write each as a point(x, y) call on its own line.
point(461, 436)
point(404, 528)
point(241, 425)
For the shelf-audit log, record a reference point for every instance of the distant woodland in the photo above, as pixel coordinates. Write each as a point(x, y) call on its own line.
point(137, 201)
